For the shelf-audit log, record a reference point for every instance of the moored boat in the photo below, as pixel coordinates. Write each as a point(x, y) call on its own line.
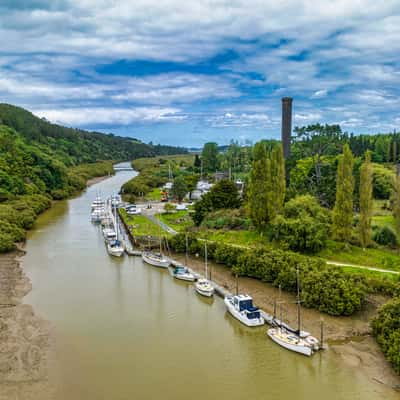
point(241, 307)
point(155, 259)
point(115, 249)
point(204, 287)
point(290, 341)
point(181, 272)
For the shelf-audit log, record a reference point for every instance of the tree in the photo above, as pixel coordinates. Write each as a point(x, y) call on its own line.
point(365, 201)
point(179, 188)
point(209, 157)
point(396, 204)
point(259, 187)
point(224, 195)
point(317, 142)
point(168, 208)
point(197, 162)
point(304, 225)
point(343, 211)
point(278, 182)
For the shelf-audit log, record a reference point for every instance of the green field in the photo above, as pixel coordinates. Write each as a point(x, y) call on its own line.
point(346, 253)
point(141, 225)
point(178, 220)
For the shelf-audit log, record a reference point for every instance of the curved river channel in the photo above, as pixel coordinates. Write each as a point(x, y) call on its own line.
point(126, 330)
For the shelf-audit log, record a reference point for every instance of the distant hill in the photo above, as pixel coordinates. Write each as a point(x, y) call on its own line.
point(40, 161)
point(76, 146)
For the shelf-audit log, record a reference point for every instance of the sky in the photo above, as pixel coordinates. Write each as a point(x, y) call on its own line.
point(186, 72)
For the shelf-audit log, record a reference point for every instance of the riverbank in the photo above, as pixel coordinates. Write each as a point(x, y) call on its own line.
point(25, 338)
point(348, 337)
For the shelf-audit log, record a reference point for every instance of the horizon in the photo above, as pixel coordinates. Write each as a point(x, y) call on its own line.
point(184, 74)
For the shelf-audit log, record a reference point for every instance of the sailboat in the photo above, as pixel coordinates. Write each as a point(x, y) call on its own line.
point(182, 272)
point(115, 247)
point(203, 285)
point(292, 340)
point(156, 259)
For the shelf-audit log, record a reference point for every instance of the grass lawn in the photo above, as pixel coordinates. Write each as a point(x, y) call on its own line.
point(141, 225)
point(239, 237)
point(383, 220)
point(178, 220)
point(372, 274)
point(378, 258)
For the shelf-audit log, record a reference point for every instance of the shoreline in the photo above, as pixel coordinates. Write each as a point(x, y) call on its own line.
point(348, 337)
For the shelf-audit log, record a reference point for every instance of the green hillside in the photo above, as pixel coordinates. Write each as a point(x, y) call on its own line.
point(40, 161)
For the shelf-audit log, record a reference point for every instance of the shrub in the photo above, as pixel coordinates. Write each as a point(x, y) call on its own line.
point(385, 236)
point(382, 182)
point(226, 219)
point(333, 291)
point(386, 329)
point(303, 226)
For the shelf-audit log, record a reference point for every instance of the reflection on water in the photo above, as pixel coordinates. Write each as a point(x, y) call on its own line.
point(127, 330)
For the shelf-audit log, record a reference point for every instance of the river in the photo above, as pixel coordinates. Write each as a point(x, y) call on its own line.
point(126, 330)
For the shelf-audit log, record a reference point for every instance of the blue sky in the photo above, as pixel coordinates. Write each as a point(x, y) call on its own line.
point(186, 72)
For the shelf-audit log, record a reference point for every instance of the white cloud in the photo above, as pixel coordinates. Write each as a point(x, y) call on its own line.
point(109, 116)
point(319, 94)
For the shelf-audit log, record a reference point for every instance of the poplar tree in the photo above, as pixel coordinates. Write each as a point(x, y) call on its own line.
point(343, 210)
point(396, 204)
point(365, 201)
point(278, 181)
point(259, 187)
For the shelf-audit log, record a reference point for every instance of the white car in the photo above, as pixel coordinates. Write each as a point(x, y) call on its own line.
point(181, 207)
point(133, 210)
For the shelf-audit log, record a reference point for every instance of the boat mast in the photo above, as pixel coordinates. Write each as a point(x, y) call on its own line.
point(186, 254)
point(298, 300)
point(205, 258)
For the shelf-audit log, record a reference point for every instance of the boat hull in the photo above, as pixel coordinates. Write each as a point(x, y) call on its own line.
point(305, 350)
point(115, 251)
point(241, 316)
point(187, 278)
point(203, 292)
point(155, 263)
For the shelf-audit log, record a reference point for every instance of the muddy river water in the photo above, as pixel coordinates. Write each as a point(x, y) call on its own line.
point(126, 330)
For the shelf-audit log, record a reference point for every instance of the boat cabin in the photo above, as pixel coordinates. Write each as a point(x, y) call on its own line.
point(245, 303)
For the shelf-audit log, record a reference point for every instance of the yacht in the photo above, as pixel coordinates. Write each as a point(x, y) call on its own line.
point(155, 259)
point(115, 249)
point(241, 307)
point(290, 341)
point(181, 272)
point(204, 287)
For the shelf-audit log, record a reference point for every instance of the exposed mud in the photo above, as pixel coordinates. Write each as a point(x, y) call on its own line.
point(24, 337)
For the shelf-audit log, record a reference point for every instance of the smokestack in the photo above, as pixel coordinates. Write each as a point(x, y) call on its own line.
point(286, 125)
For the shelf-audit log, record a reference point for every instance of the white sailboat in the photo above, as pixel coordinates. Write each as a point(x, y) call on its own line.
point(242, 308)
point(203, 285)
point(293, 340)
point(290, 341)
point(155, 259)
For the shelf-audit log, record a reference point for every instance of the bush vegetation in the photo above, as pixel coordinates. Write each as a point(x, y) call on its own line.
point(386, 329)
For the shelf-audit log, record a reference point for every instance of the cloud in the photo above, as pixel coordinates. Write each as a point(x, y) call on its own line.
point(319, 94)
point(109, 116)
point(332, 57)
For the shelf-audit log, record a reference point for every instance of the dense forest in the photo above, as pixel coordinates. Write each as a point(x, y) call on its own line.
point(40, 161)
